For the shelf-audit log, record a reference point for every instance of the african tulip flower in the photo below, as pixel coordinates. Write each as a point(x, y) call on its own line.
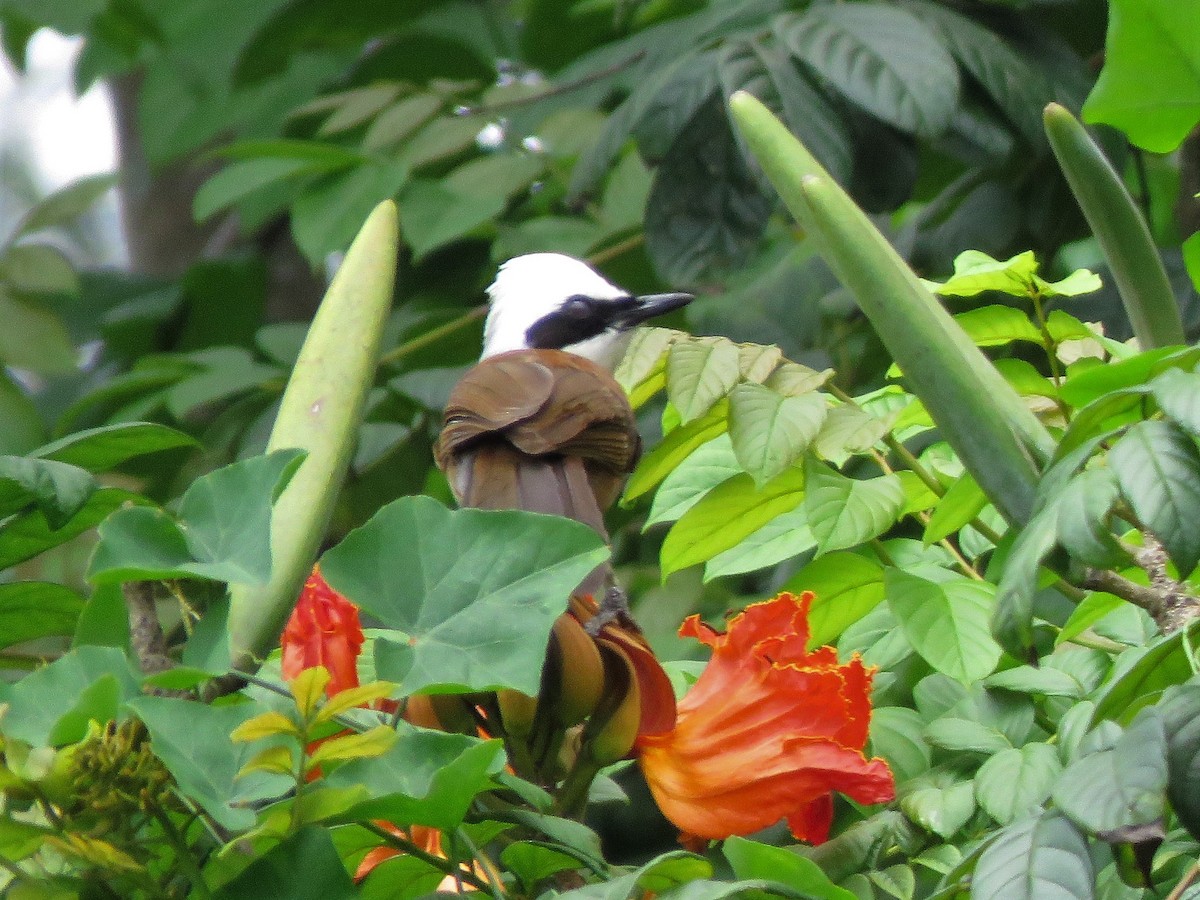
point(766, 732)
point(323, 630)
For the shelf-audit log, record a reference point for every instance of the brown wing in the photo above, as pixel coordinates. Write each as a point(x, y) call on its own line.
point(541, 430)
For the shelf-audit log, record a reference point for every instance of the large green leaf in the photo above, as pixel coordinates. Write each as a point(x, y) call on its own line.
point(192, 740)
point(727, 515)
point(844, 512)
point(326, 218)
point(27, 534)
point(1041, 858)
point(474, 591)
point(426, 778)
point(222, 532)
point(1158, 469)
point(1141, 675)
point(898, 735)
point(881, 57)
point(1015, 782)
point(946, 622)
point(994, 326)
point(33, 337)
point(958, 506)
point(1150, 84)
point(54, 704)
point(104, 448)
point(241, 179)
point(785, 536)
point(1178, 395)
point(769, 430)
point(34, 609)
point(847, 587)
point(1120, 787)
point(304, 866)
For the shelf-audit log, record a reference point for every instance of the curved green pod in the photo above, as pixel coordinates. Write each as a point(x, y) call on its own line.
point(982, 417)
point(320, 413)
point(1119, 227)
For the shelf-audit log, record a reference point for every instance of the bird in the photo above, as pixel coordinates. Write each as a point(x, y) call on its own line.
point(540, 423)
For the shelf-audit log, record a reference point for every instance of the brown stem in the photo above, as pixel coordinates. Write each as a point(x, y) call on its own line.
point(1188, 877)
point(145, 631)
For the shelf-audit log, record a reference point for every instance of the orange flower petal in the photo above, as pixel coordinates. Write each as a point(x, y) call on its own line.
point(323, 630)
point(767, 731)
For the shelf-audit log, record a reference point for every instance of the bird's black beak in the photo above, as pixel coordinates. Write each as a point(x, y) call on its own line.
point(651, 305)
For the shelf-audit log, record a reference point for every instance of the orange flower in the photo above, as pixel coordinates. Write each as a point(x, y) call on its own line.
point(767, 731)
point(323, 631)
point(425, 838)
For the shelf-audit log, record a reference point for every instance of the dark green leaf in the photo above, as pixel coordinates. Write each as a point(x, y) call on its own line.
point(1142, 674)
point(326, 218)
point(1012, 621)
point(1015, 782)
point(1083, 510)
point(241, 179)
point(59, 490)
point(304, 866)
point(881, 57)
point(1158, 469)
point(192, 740)
point(946, 622)
point(426, 778)
point(41, 700)
point(28, 534)
point(104, 448)
point(34, 609)
point(965, 735)
point(533, 862)
point(1123, 786)
point(475, 591)
point(898, 735)
point(1178, 395)
point(104, 620)
point(1042, 858)
point(66, 204)
point(960, 504)
point(1180, 711)
point(705, 212)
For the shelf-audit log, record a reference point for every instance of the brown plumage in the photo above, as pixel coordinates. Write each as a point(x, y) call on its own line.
point(541, 430)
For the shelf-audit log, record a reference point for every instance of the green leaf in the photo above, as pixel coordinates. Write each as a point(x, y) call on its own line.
point(699, 374)
point(976, 272)
point(847, 587)
point(480, 590)
point(427, 778)
point(241, 179)
point(357, 105)
point(946, 622)
point(1131, 374)
point(994, 326)
point(1034, 680)
point(727, 515)
point(34, 609)
point(677, 446)
point(848, 430)
point(532, 862)
point(898, 735)
point(881, 57)
point(59, 490)
point(1041, 858)
point(707, 467)
point(1083, 510)
point(844, 512)
point(1015, 782)
point(942, 809)
point(1158, 469)
point(1091, 609)
point(192, 740)
point(104, 448)
point(41, 701)
point(27, 534)
point(957, 507)
point(33, 337)
point(400, 120)
point(38, 269)
point(965, 735)
point(1122, 786)
point(769, 431)
point(66, 204)
point(1149, 36)
point(1178, 395)
point(1143, 674)
point(304, 866)
point(433, 214)
point(1180, 711)
point(1012, 622)
point(1191, 258)
point(752, 860)
point(785, 536)
point(223, 532)
point(327, 217)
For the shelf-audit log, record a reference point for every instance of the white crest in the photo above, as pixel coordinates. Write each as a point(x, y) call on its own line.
point(529, 287)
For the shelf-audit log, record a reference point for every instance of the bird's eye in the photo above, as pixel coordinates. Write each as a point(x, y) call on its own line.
point(578, 306)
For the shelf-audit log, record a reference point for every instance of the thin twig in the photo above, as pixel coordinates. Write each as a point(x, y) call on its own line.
point(1188, 877)
point(582, 81)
